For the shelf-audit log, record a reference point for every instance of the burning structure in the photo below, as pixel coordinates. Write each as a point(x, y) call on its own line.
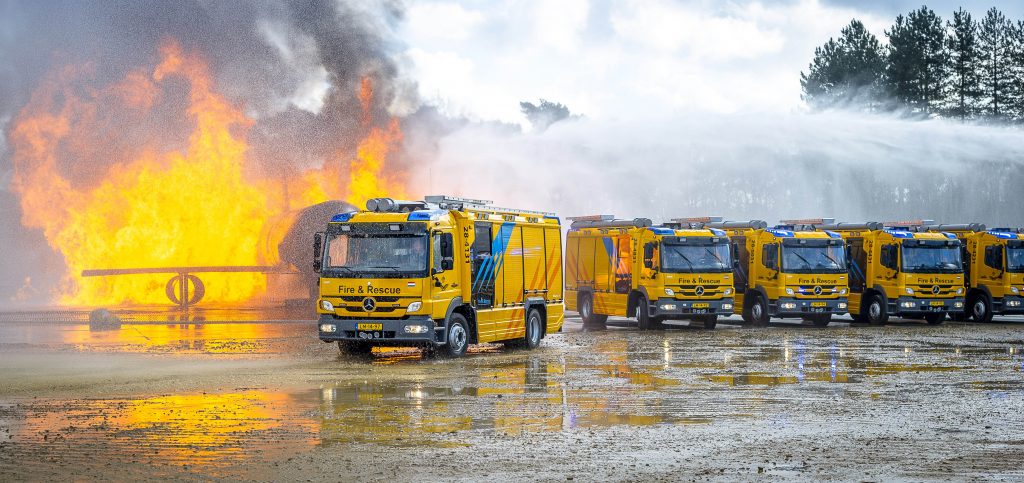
point(157, 173)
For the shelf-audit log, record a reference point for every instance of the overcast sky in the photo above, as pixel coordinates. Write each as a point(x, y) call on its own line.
point(625, 58)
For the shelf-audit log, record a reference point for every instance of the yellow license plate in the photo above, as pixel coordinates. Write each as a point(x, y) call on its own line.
point(371, 326)
point(819, 304)
point(701, 305)
point(937, 303)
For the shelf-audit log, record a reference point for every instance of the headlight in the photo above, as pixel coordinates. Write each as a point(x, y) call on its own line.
point(789, 291)
point(1014, 290)
point(728, 291)
point(908, 305)
point(669, 292)
point(960, 291)
point(841, 305)
point(415, 306)
point(958, 304)
point(788, 305)
point(842, 291)
point(328, 327)
point(910, 291)
point(668, 306)
point(726, 306)
point(327, 305)
point(416, 329)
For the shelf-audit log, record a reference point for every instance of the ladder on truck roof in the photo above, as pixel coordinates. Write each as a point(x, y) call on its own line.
point(607, 221)
point(446, 202)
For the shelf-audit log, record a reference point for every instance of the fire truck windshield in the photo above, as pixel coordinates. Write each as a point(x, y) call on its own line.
point(377, 255)
point(813, 259)
point(932, 259)
point(1015, 259)
point(692, 258)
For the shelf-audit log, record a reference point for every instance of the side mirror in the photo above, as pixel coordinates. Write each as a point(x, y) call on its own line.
point(318, 245)
point(649, 255)
point(447, 251)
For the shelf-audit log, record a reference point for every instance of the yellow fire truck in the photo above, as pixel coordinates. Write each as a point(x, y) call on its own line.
point(441, 273)
point(654, 273)
point(896, 270)
point(993, 270)
point(786, 272)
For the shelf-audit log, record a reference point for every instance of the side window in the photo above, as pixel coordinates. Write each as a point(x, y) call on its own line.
point(994, 257)
point(435, 250)
point(770, 256)
point(888, 257)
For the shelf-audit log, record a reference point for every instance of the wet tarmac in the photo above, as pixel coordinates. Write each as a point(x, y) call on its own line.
point(268, 401)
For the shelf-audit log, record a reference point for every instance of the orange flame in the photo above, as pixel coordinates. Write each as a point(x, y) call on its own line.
point(159, 207)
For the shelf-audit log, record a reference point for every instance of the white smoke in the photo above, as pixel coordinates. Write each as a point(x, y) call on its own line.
point(853, 167)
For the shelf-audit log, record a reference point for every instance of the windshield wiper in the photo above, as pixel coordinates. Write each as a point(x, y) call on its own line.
point(386, 266)
point(347, 269)
point(833, 260)
point(688, 262)
point(806, 262)
point(722, 262)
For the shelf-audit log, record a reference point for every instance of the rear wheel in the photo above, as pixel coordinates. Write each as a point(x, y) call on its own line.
point(643, 315)
point(875, 310)
point(590, 319)
point(981, 308)
point(935, 319)
point(354, 347)
point(534, 329)
point(458, 337)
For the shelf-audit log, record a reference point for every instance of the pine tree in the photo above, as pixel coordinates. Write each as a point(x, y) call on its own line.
point(965, 83)
point(1015, 88)
point(994, 40)
point(918, 61)
point(847, 70)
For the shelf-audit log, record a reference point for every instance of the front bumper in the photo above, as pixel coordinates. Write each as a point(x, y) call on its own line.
point(685, 308)
point(392, 331)
point(794, 307)
point(918, 306)
point(1009, 305)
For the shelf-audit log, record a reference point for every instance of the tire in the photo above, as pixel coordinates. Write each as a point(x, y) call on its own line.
point(756, 312)
point(534, 329)
point(457, 340)
point(643, 315)
point(821, 320)
point(709, 321)
point(590, 319)
point(354, 347)
point(875, 311)
point(935, 319)
point(980, 308)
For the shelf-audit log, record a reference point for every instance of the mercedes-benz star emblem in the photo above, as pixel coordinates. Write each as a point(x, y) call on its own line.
point(817, 290)
point(936, 289)
point(699, 290)
point(369, 304)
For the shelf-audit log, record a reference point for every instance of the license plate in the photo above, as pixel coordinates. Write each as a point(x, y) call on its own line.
point(819, 304)
point(371, 327)
point(701, 305)
point(938, 303)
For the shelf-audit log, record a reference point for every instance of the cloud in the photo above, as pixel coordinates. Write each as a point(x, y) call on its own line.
point(442, 21)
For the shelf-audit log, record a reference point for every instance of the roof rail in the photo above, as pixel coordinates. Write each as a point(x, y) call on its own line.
point(871, 225)
point(973, 227)
point(737, 225)
point(634, 223)
point(446, 202)
point(808, 221)
point(907, 224)
point(591, 218)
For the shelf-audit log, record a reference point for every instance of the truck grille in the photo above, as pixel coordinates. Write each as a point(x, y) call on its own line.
point(928, 291)
point(709, 291)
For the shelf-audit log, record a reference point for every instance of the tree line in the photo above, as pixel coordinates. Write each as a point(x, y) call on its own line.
point(958, 68)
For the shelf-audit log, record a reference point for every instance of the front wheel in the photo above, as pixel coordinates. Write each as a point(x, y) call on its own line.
point(643, 315)
point(534, 329)
point(981, 308)
point(757, 311)
point(458, 337)
point(935, 319)
point(875, 311)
